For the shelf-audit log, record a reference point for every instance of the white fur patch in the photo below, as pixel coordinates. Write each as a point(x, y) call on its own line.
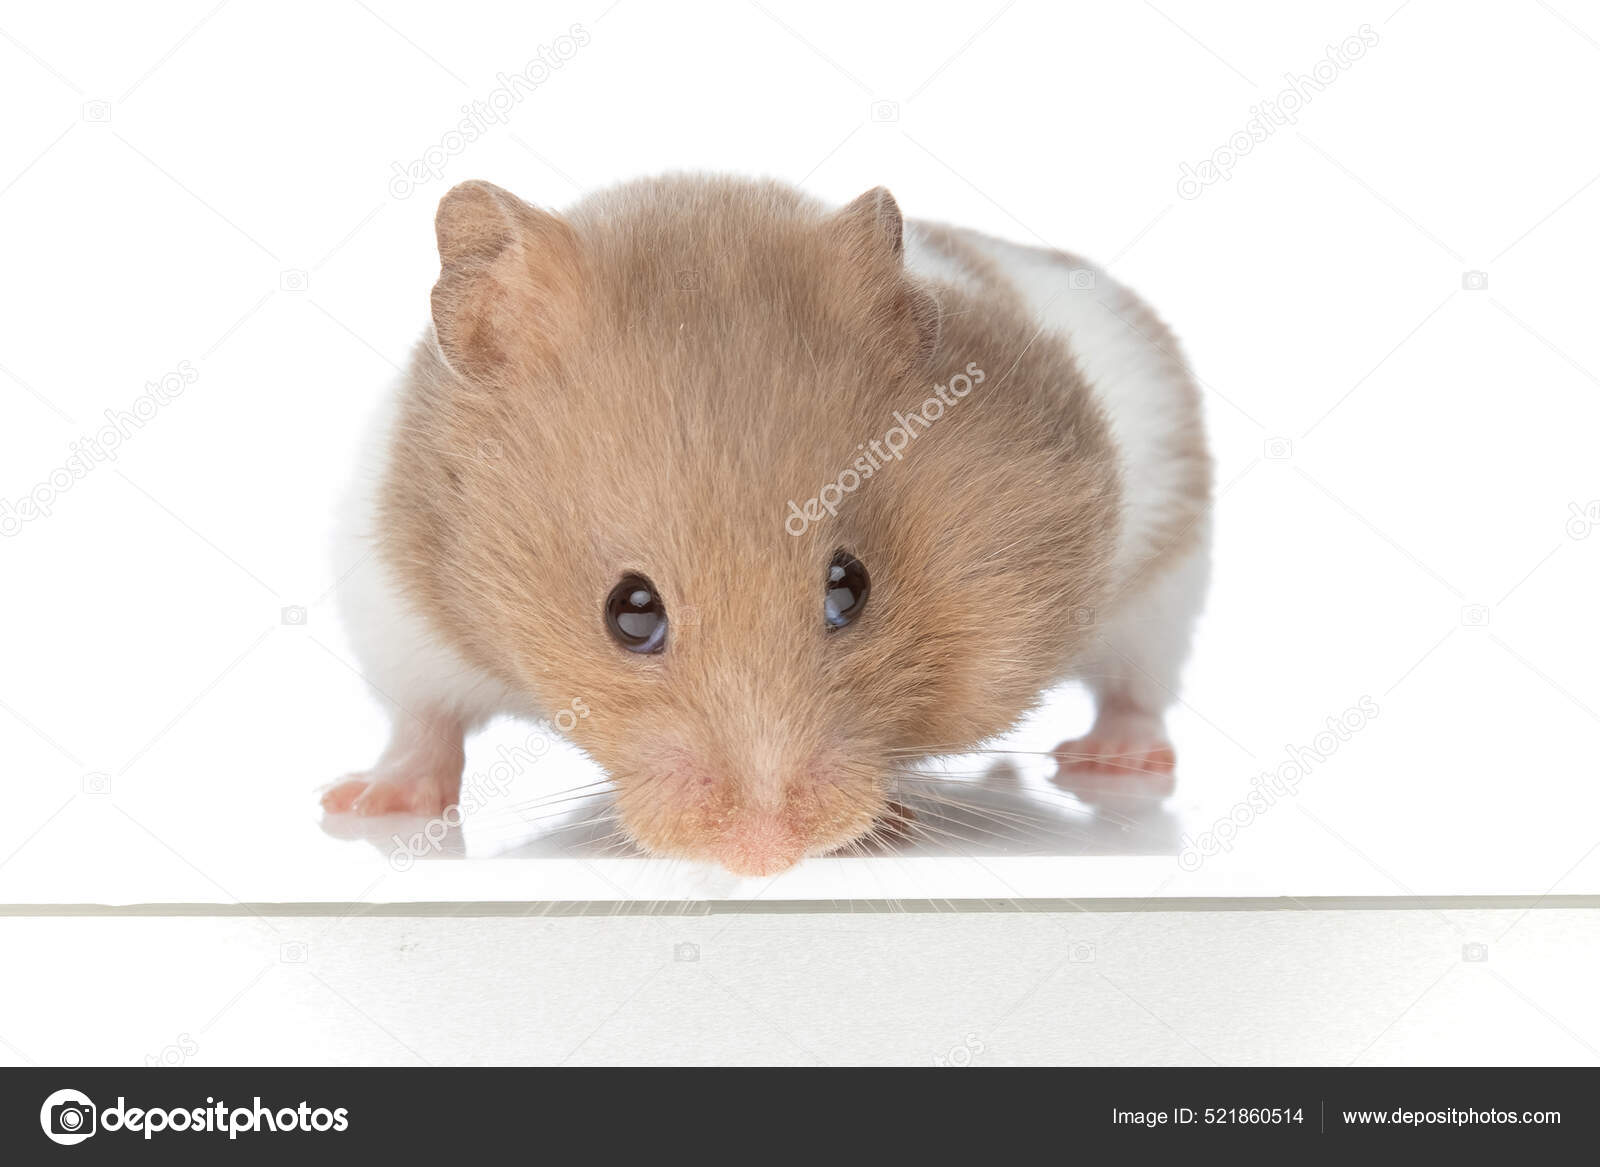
point(402, 658)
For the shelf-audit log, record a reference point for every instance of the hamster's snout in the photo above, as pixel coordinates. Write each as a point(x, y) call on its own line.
point(758, 844)
point(752, 820)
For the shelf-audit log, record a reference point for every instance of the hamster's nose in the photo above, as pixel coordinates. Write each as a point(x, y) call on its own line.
point(758, 843)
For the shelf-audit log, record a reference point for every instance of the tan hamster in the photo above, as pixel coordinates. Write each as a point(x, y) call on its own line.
point(782, 497)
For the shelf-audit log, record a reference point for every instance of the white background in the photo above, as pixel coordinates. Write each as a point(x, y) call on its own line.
point(1405, 461)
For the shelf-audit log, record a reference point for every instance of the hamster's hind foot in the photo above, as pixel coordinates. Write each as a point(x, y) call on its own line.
point(419, 773)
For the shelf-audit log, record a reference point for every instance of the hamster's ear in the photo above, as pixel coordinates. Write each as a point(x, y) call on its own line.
point(871, 232)
point(508, 281)
point(871, 227)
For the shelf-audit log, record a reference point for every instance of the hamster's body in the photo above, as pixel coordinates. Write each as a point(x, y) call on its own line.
point(1075, 373)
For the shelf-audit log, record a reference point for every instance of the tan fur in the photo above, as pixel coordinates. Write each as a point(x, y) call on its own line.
point(655, 376)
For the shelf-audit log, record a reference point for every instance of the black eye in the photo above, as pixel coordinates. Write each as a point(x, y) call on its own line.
point(846, 594)
point(636, 616)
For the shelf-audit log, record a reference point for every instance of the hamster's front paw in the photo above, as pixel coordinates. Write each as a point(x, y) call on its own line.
point(420, 773)
point(1122, 756)
point(383, 791)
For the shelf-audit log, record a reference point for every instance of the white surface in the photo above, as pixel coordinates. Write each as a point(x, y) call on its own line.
point(235, 213)
point(1141, 988)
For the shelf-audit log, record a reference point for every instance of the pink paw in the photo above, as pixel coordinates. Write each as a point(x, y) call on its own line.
point(363, 795)
point(1097, 767)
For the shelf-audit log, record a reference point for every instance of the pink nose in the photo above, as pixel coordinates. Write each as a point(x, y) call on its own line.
point(758, 844)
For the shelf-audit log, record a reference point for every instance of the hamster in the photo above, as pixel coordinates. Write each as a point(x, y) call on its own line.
point(782, 497)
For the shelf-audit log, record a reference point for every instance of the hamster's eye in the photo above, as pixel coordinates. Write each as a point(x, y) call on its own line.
point(635, 615)
point(847, 588)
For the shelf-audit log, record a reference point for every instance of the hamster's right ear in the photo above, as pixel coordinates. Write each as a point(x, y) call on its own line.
point(508, 285)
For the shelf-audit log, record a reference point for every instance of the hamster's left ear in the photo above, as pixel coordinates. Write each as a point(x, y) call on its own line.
point(870, 231)
point(872, 228)
point(508, 288)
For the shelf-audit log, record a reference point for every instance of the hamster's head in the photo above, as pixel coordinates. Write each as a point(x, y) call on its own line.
point(702, 459)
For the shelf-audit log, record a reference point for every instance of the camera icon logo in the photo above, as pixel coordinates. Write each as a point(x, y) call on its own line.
point(1475, 616)
point(97, 111)
point(1583, 520)
point(1081, 279)
point(293, 280)
point(491, 448)
point(294, 614)
point(68, 1117)
point(1475, 281)
point(293, 952)
point(685, 953)
point(688, 281)
point(1277, 449)
point(1475, 953)
point(1083, 616)
point(885, 111)
point(97, 785)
